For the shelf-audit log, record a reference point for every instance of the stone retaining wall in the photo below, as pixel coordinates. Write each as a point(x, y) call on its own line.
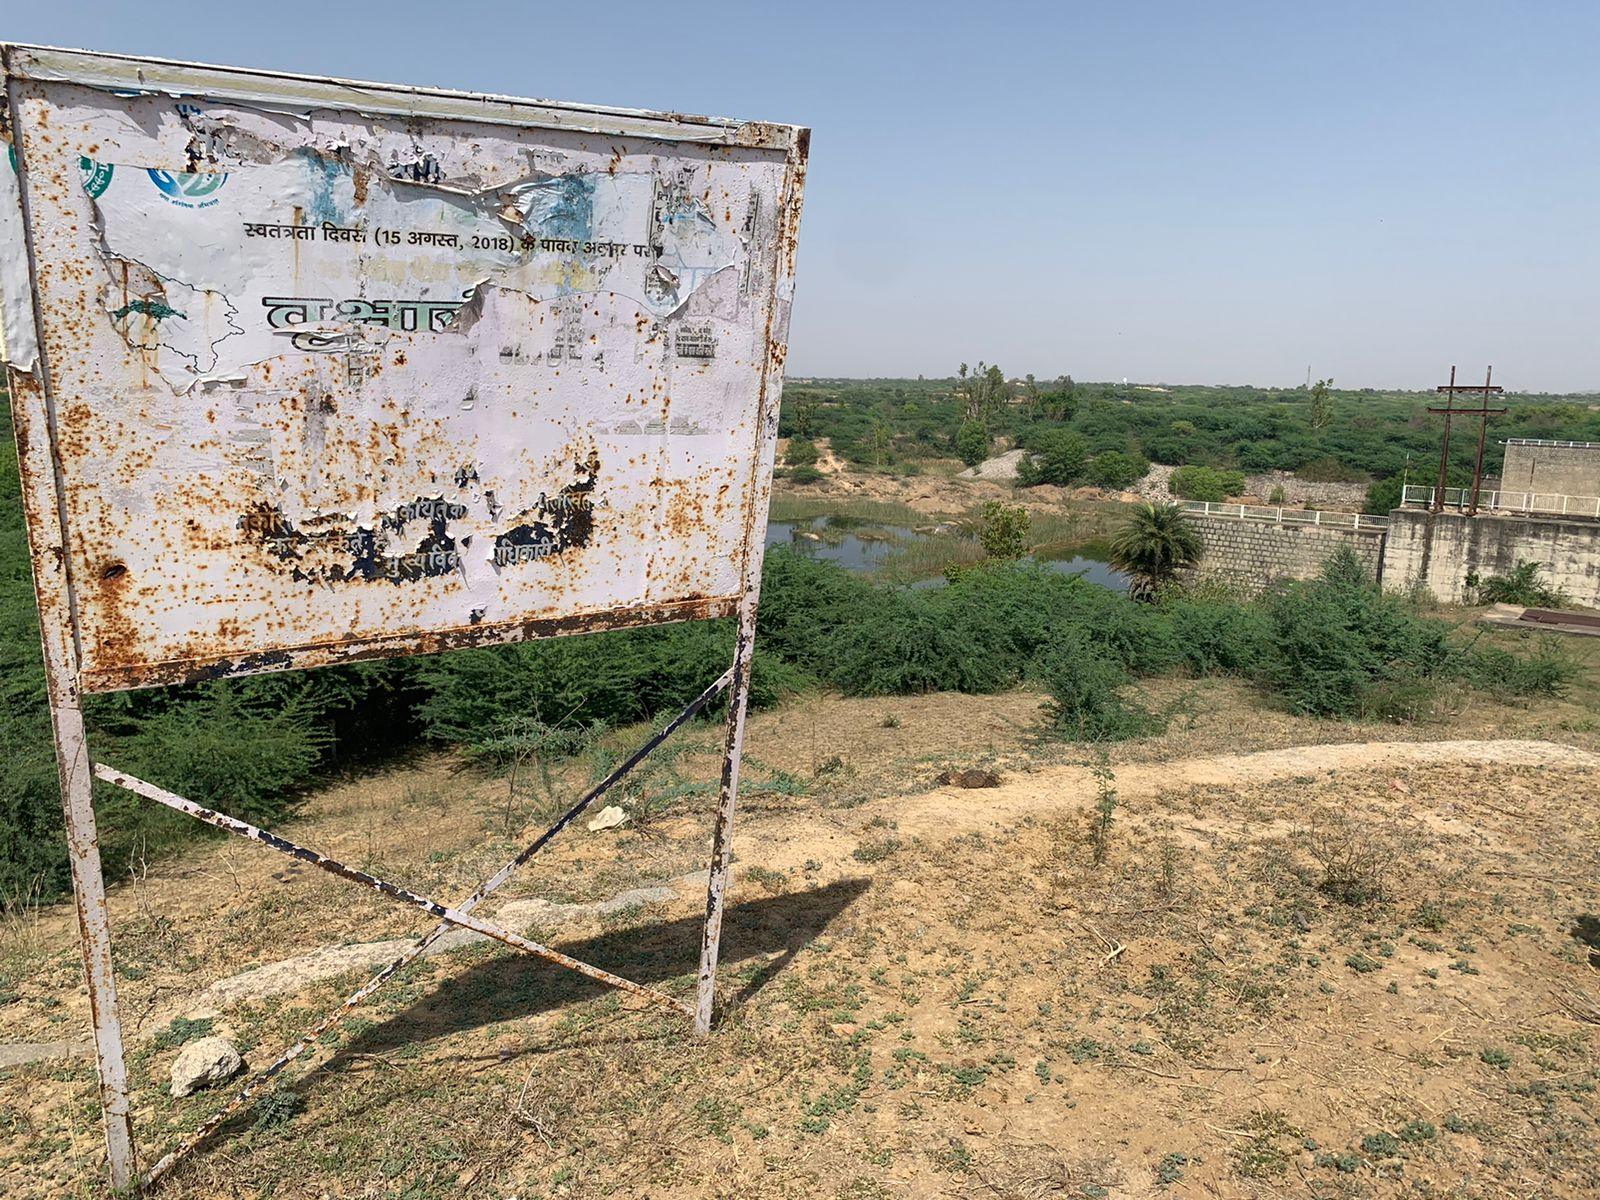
point(1440, 550)
point(1252, 555)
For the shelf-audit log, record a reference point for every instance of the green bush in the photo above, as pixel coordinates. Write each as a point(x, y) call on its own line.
point(1206, 483)
point(804, 474)
point(1219, 637)
point(902, 642)
point(1383, 497)
point(1548, 671)
point(248, 757)
point(1089, 694)
point(32, 849)
point(1327, 469)
point(1004, 533)
point(1058, 456)
point(801, 452)
point(972, 443)
point(1522, 586)
point(1341, 647)
point(1027, 607)
point(615, 678)
point(1116, 470)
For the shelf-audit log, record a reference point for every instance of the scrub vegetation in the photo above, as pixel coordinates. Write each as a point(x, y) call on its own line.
point(1321, 433)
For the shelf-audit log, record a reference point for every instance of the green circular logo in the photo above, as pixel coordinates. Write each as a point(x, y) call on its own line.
point(96, 176)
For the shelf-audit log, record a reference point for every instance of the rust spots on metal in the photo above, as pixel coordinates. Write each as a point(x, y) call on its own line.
point(213, 665)
point(557, 523)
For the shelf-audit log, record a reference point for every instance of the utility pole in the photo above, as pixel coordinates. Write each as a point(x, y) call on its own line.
point(1483, 412)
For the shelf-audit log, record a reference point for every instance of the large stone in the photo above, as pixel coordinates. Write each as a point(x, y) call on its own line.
point(610, 817)
point(971, 777)
point(202, 1063)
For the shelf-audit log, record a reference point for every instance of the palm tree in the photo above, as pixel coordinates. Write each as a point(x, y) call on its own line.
point(1155, 543)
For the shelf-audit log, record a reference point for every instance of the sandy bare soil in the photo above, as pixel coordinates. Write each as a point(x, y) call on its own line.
point(1352, 968)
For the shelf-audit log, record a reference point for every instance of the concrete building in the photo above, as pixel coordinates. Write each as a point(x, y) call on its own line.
point(1551, 468)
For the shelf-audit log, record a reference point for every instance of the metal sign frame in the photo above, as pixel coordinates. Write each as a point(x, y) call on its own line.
point(41, 458)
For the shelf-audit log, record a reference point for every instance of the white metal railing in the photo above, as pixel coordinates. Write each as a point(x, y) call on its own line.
point(1544, 503)
point(1549, 442)
point(1285, 516)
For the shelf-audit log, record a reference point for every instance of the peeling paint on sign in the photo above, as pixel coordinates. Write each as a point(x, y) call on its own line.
point(328, 382)
point(19, 346)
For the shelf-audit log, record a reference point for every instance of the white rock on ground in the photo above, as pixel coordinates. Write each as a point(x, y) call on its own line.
point(610, 817)
point(202, 1063)
point(1000, 469)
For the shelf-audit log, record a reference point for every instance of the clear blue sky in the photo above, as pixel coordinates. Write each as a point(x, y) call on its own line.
point(1193, 192)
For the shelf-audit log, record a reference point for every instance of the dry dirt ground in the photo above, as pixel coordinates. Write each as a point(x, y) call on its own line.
point(1301, 958)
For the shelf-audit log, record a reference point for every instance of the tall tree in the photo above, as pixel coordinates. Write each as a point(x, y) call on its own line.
point(1321, 404)
point(982, 392)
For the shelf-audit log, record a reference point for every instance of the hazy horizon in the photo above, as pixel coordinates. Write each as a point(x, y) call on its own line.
point(1153, 191)
point(1045, 382)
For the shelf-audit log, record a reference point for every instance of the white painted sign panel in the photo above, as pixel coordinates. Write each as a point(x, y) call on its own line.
point(331, 370)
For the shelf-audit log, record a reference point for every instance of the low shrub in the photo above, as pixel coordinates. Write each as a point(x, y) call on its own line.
point(1522, 586)
point(1219, 636)
point(1548, 671)
point(1384, 496)
point(1206, 483)
point(1342, 647)
point(1058, 456)
point(902, 641)
point(1090, 697)
point(617, 678)
point(1327, 469)
point(1004, 532)
point(1357, 859)
point(972, 443)
point(1116, 470)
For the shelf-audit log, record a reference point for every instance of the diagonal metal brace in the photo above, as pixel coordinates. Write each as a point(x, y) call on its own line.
point(334, 867)
point(416, 951)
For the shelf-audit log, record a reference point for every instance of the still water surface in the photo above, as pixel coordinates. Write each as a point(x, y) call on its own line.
point(865, 548)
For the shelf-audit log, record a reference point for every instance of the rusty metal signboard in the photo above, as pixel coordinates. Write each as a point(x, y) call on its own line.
point(307, 370)
point(337, 371)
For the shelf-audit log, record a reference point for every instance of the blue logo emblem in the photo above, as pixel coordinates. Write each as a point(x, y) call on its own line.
point(187, 190)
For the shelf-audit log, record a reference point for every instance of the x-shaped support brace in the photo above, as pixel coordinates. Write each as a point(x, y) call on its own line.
point(458, 915)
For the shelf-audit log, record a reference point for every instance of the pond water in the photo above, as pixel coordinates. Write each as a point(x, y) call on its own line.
point(854, 546)
point(865, 547)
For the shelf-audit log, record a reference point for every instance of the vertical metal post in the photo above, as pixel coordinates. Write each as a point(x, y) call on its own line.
point(94, 926)
point(727, 800)
point(1483, 434)
point(35, 433)
point(33, 426)
point(1444, 450)
point(777, 339)
point(33, 423)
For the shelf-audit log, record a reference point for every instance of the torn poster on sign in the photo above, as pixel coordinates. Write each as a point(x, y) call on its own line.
point(336, 384)
point(210, 272)
point(19, 344)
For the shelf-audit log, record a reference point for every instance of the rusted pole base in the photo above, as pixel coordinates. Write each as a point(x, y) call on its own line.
point(722, 832)
point(94, 928)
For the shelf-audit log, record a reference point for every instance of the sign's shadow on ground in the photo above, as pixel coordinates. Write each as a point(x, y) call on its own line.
point(513, 985)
